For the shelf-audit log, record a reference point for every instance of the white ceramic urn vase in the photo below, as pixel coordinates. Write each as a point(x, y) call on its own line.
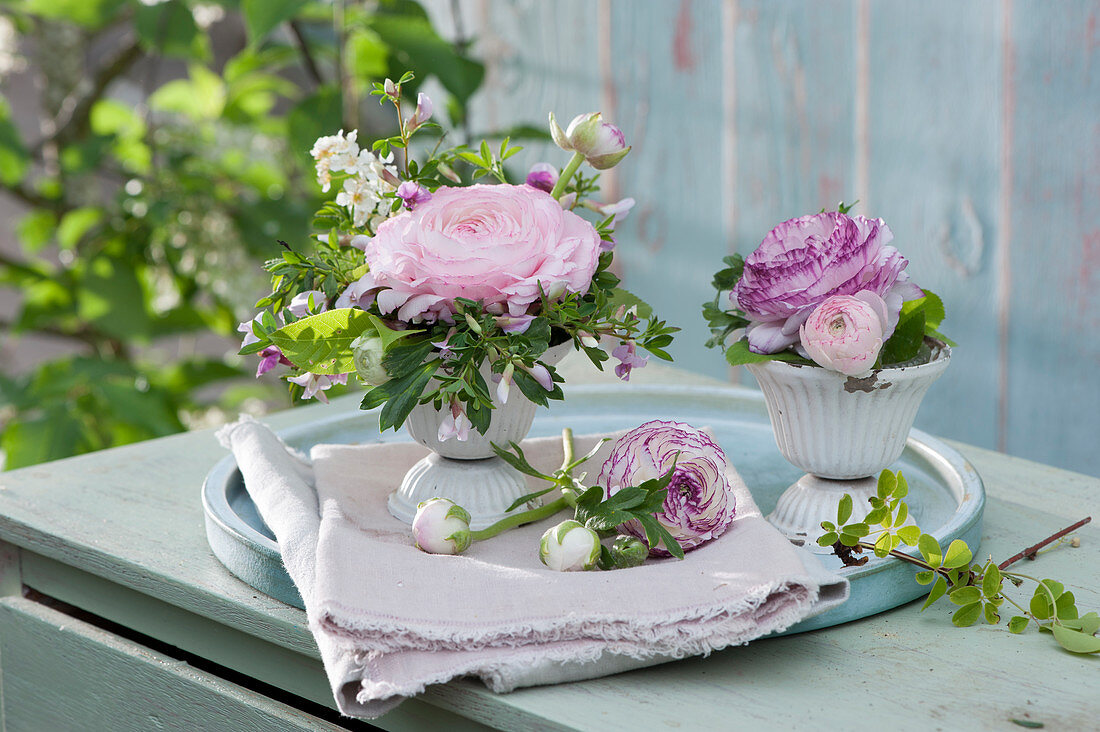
point(468, 471)
point(841, 430)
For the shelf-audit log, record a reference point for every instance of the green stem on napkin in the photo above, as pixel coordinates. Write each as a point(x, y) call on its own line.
point(519, 519)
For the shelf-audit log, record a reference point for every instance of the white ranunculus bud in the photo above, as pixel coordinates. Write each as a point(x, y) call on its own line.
point(367, 352)
point(570, 547)
point(441, 527)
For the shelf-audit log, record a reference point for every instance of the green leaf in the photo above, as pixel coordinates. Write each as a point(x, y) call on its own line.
point(620, 297)
point(14, 158)
point(936, 593)
point(967, 615)
point(57, 433)
point(88, 13)
point(902, 514)
point(844, 509)
point(991, 615)
point(882, 546)
point(901, 490)
point(1040, 605)
point(909, 534)
point(110, 295)
point(367, 54)
point(908, 336)
point(75, 224)
point(1075, 641)
point(887, 482)
point(958, 554)
point(1056, 588)
point(1017, 624)
point(739, 354)
point(828, 539)
point(403, 395)
point(262, 16)
point(876, 516)
point(169, 29)
point(965, 595)
point(36, 228)
point(321, 344)
point(1065, 607)
point(991, 581)
point(925, 577)
point(529, 497)
point(930, 550)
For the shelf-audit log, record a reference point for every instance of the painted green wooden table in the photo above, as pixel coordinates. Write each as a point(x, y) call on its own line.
point(114, 615)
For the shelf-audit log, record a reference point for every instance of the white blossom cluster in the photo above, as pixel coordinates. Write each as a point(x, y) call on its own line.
point(369, 176)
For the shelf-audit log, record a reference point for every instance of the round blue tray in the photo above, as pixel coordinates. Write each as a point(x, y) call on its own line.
point(946, 496)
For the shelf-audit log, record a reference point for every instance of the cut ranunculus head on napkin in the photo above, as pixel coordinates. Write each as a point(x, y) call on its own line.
point(391, 619)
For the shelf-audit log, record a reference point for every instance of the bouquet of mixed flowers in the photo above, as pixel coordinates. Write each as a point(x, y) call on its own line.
point(825, 289)
point(423, 278)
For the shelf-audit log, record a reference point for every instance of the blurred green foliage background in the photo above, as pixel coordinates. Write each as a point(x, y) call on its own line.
point(165, 154)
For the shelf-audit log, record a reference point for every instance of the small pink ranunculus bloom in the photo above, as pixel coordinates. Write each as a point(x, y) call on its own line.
point(494, 243)
point(845, 332)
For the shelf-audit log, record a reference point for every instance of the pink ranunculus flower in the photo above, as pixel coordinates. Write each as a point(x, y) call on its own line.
point(700, 504)
point(845, 333)
point(494, 243)
point(803, 261)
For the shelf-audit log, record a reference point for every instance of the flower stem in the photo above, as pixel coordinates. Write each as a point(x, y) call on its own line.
point(567, 447)
point(1031, 551)
point(519, 519)
point(566, 175)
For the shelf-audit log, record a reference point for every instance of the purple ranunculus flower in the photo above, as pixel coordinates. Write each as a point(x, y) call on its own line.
point(700, 505)
point(803, 261)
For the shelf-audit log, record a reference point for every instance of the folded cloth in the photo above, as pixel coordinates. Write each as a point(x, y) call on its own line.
point(390, 620)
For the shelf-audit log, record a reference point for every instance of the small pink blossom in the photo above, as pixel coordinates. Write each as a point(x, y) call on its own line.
point(540, 374)
point(270, 357)
point(413, 194)
point(299, 306)
point(359, 294)
point(455, 424)
point(514, 323)
point(316, 385)
point(627, 354)
point(422, 114)
point(845, 332)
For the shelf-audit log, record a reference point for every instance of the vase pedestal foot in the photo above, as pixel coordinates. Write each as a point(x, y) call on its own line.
point(485, 488)
point(811, 500)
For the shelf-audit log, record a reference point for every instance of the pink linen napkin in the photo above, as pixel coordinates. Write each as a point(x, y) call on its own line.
point(391, 620)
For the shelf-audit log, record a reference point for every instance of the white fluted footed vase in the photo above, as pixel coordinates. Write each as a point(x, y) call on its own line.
point(468, 471)
point(841, 430)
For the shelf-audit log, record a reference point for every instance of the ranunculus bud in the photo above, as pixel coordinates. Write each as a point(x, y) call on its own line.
point(441, 527)
point(845, 333)
point(570, 547)
point(602, 144)
point(367, 352)
point(700, 504)
point(628, 551)
point(542, 176)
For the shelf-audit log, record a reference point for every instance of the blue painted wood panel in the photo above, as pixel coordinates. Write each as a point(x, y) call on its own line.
point(972, 128)
point(933, 145)
point(1053, 155)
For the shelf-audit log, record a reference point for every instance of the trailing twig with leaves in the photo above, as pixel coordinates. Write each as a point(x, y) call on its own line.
point(978, 588)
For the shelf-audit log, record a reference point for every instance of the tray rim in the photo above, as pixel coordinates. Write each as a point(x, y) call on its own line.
point(968, 488)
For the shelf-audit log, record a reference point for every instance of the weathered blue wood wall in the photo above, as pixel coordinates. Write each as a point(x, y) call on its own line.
point(972, 128)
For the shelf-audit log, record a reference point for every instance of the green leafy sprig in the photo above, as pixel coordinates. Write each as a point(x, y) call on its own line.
point(603, 515)
point(977, 588)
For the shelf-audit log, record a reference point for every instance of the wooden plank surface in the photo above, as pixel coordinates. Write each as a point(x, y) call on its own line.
point(62, 674)
point(73, 511)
